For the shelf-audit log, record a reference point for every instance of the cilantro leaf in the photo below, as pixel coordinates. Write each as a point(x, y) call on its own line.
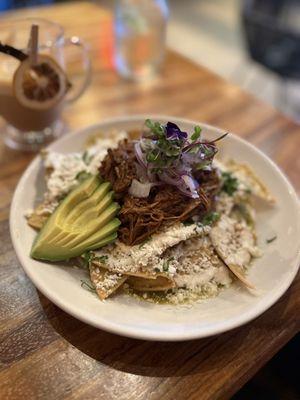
point(166, 265)
point(88, 258)
point(144, 242)
point(196, 134)
point(188, 222)
point(210, 218)
point(101, 259)
point(230, 183)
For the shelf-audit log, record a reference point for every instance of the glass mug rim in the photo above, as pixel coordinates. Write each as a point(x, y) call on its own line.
point(58, 36)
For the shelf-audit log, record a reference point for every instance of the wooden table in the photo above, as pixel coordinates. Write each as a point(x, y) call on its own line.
point(47, 354)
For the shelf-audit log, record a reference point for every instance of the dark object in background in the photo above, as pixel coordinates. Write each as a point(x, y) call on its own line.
point(272, 39)
point(277, 380)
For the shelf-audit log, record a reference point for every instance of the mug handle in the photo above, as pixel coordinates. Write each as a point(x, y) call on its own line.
point(87, 68)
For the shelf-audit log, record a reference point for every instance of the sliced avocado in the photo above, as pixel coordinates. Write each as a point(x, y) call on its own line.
point(91, 223)
point(94, 226)
point(73, 228)
point(51, 252)
point(100, 235)
point(96, 197)
point(109, 239)
point(95, 211)
point(52, 226)
point(81, 192)
point(62, 237)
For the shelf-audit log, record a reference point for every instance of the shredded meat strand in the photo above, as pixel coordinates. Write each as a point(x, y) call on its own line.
point(140, 218)
point(118, 167)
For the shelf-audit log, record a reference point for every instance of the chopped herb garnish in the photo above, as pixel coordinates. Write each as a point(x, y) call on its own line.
point(144, 242)
point(244, 213)
point(88, 258)
point(196, 134)
point(166, 265)
point(230, 183)
point(85, 157)
point(188, 222)
point(87, 286)
point(172, 156)
point(156, 269)
point(154, 127)
point(101, 259)
point(210, 218)
point(81, 176)
point(271, 239)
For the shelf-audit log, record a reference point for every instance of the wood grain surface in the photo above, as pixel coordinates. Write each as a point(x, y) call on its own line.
point(47, 354)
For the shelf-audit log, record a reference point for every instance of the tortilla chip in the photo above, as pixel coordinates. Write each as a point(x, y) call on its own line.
point(137, 274)
point(105, 282)
point(39, 216)
point(234, 242)
point(245, 174)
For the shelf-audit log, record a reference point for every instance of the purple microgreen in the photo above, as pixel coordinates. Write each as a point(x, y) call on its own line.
point(219, 138)
point(174, 133)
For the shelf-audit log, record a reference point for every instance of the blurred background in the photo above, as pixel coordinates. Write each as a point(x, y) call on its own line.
point(252, 43)
point(256, 45)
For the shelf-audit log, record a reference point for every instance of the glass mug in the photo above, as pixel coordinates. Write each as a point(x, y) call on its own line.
point(27, 128)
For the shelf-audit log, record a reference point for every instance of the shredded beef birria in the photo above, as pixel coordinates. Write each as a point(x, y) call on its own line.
point(140, 217)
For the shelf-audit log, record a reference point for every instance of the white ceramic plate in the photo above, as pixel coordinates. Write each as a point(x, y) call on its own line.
point(271, 274)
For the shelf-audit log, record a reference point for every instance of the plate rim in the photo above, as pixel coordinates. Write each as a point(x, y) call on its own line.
point(141, 333)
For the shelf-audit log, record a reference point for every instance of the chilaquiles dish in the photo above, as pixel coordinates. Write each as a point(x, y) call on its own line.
point(152, 213)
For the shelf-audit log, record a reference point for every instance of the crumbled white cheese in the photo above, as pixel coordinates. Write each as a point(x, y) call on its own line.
point(145, 257)
point(172, 270)
point(65, 168)
point(222, 276)
point(109, 282)
point(179, 296)
point(105, 282)
point(234, 241)
point(197, 264)
point(224, 203)
point(181, 253)
point(191, 281)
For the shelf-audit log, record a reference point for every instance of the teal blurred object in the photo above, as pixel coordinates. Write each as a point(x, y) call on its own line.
point(4, 5)
point(12, 4)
